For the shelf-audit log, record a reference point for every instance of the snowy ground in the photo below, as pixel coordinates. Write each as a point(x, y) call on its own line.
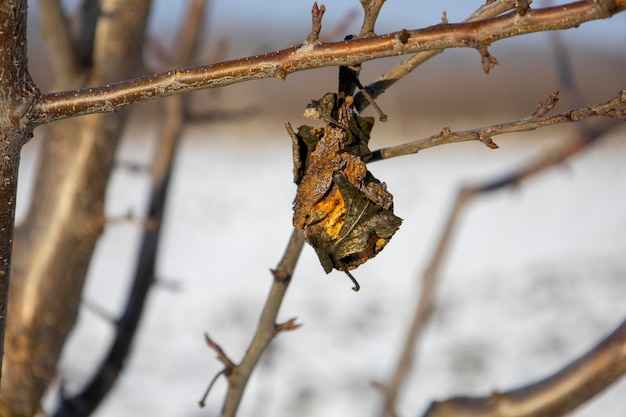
point(535, 277)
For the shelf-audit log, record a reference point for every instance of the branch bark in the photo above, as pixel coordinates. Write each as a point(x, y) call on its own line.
point(613, 108)
point(54, 244)
point(555, 395)
point(113, 97)
point(267, 327)
point(17, 93)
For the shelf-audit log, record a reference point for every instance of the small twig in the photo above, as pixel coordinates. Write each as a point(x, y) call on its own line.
point(444, 18)
point(221, 355)
point(202, 401)
point(544, 107)
point(371, 9)
point(613, 108)
point(488, 60)
point(266, 329)
point(316, 16)
point(287, 326)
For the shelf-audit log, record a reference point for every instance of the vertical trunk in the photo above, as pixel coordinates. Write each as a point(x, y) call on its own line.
point(16, 94)
point(54, 245)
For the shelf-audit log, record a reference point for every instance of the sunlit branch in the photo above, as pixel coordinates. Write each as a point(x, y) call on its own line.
point(279, 64)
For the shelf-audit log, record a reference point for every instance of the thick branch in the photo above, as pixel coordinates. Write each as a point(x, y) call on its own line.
point(278, 64)
point(17, 92)
point(556, 395)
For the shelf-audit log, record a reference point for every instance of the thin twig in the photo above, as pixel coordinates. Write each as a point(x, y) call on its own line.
point(267, 327)
point(221, 355)
point(317, 13)
point(613, 108)
point(556, 395)
point(112, 97)
point(371, 8)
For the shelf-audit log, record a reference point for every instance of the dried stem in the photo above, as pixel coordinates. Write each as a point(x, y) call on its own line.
point(112, 97)
point(556, 395)
point(267, 328)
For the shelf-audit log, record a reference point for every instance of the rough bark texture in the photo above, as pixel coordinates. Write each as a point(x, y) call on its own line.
point(54, 245)
point(16, 95)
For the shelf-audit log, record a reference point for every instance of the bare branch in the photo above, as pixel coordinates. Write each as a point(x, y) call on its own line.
point(465, 195)
point(488, 60)
point(555, 395)
point(221, 355)
point(278, 64)
point(266, 330)
point(490, 9)
point(613, 108)
point(371, 9)
point(316, 16)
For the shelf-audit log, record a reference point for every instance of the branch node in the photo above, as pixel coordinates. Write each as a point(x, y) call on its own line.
point(404, 36)
point(544, 107)
point(488, 141)
point(287, 326)
point(316, 17)
point(445, 131)
point(444, 18)
point(488, 60)
point(221, 356)
point(522, 6)
point(280, 73)
point(281, 276)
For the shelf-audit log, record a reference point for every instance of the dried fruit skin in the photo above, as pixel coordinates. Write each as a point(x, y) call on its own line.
point(346, 214)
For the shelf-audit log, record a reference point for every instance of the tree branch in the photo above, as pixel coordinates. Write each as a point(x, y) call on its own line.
point(267, 328)
point(555, 395)
point(278, 64)
point(465, 195)
point(378, 87)
point(613, 108)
